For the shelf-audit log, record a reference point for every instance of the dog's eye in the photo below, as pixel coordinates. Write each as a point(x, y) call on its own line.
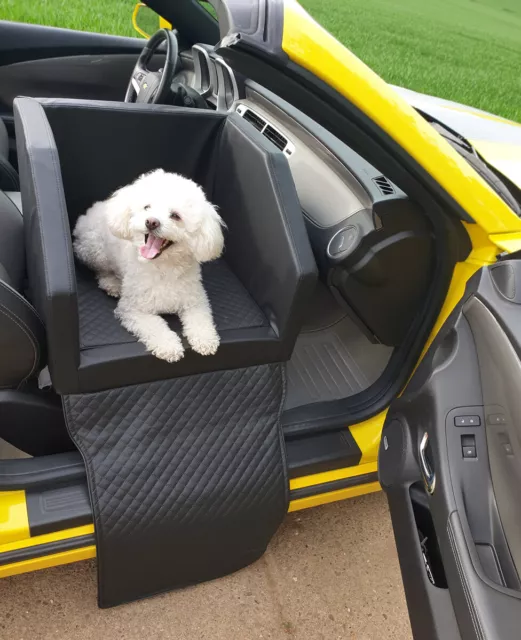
point(146, 207)
point(174, 215)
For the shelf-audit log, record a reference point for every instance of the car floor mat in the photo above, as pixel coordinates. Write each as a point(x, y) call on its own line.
point(332, 362)
point(187, 477)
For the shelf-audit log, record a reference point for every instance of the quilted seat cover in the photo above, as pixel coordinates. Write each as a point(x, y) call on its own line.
point(187, 477)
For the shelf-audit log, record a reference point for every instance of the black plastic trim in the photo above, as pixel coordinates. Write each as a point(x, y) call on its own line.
point(48, 549)
point(334, 485)
point(58, 508)
point(322, 452)
point(44, 472)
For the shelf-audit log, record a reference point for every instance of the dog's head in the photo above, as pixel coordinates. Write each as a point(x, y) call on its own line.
point(164, 214)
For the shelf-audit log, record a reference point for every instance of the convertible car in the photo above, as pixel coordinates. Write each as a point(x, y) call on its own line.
point(368, 303)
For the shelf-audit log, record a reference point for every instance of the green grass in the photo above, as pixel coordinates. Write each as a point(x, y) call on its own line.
point(464, 50)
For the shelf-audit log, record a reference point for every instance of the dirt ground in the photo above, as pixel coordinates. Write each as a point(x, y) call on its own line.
point(330, 573)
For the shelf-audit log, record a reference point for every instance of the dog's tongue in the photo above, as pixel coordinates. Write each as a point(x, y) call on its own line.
point(151, 248)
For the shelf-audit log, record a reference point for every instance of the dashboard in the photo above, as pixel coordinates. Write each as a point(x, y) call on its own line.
point(363, 229)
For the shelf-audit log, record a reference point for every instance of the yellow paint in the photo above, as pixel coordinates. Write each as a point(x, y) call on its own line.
point(483, 253)
point(164, 24)
point(14, 521)
point(367, 436)
point(313, 48)
point(333, 496)
point(134, 20)
point(504, 156)
point(65, 557)
point(509, 242)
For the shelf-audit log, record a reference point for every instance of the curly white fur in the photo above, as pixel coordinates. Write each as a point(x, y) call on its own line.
point(110, 239)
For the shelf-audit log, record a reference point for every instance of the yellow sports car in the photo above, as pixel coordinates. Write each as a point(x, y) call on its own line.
point(367, 303)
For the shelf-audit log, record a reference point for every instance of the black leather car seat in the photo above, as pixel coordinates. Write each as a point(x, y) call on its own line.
point(22, 335)
point(8, 175)
point(30, 419)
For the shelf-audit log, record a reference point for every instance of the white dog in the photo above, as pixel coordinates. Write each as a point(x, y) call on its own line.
point(146, 244)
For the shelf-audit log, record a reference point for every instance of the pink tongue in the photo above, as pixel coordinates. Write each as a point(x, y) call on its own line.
point(151, 248)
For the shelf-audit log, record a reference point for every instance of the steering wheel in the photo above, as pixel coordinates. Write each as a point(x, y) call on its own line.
point(153, 86)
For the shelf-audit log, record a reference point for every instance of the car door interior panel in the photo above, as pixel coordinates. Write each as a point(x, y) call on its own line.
point(450, 457)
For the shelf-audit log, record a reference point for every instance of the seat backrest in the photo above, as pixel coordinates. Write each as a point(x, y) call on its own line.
point(8, 175)
point(22, 334)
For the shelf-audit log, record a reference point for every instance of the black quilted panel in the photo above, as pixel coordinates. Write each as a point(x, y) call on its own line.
point(187, 477)
point(232, 307)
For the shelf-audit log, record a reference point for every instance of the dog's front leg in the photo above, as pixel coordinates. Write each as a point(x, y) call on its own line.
point(199, 328)
point(152, 331)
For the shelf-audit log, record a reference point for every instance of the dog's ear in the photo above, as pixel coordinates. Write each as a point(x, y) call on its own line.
point(208, 241)
point(119, 210)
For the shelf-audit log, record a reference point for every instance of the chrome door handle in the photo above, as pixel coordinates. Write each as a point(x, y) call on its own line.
point(429, 476)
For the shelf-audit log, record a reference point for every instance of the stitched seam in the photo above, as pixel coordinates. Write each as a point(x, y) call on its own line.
point(10, 173)
point(38, 202)
point(57, 176)
point(280, 199)
point(466, 589)
point(22, 299)
point(164, 110)
point(25, 329)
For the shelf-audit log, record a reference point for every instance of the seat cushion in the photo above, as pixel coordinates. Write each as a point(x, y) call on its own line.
point(232, 306)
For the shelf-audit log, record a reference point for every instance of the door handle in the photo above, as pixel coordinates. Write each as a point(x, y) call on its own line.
point(428, 473)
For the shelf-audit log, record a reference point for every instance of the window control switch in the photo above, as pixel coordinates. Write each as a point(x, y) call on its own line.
point(467, 421)
point(469, 452)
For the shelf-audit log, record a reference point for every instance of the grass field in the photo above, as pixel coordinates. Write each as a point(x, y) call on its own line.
point(464, 50)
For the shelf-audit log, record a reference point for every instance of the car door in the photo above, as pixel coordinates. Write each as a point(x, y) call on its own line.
point(450, 463)
point(46, 61)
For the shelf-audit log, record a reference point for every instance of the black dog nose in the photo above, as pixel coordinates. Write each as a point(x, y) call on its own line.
point(152, 223)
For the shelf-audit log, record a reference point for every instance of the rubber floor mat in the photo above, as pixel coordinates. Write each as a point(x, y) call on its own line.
point(333, 362)
point(187, 477)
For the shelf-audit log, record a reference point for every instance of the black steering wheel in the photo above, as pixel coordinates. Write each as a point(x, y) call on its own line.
point(153, 86)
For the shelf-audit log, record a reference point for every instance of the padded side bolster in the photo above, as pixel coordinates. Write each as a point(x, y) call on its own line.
point(267, 244)
point(22, 337)
point(12, 246)
point(52, 283)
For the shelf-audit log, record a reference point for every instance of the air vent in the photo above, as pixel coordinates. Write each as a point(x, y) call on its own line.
point(277, 138)
point(384, 186)
point(254, 119)
point(269, 132)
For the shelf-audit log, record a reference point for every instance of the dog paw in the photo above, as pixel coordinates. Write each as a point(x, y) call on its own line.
point(111, 285)
point(170, 350)
point(206, 344)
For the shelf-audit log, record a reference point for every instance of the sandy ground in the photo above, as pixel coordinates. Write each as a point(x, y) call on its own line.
point(331, 572)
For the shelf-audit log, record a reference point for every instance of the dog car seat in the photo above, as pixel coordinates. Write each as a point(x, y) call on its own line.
point(74, 153)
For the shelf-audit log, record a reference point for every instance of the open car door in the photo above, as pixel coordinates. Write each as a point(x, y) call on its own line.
point(450, 462)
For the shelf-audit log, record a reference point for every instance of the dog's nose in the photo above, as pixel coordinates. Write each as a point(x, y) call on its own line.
point(152, 223)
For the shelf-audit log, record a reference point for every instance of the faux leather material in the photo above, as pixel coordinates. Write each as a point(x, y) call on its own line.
point(267, 243)
point(12, 246)
point(4, 140)
point(187, 477)
point(8, 175)
point(177, 140)
point(52, 285)
point(232, 307)
point(22, 339)
point(266, 246)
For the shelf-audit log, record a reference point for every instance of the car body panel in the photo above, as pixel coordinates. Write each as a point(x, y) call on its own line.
point(497, 139)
